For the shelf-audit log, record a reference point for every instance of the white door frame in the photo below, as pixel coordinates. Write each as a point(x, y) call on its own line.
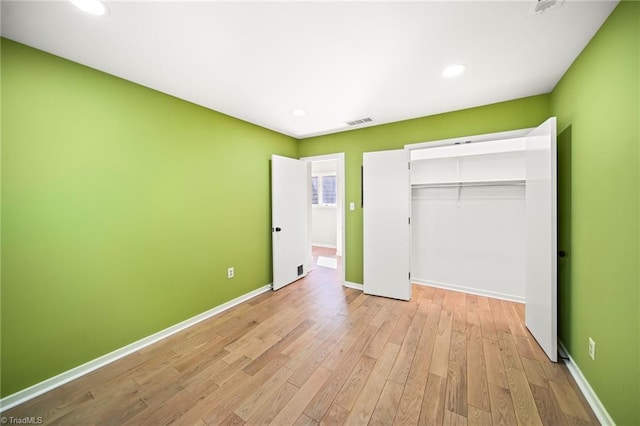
point(339, 157)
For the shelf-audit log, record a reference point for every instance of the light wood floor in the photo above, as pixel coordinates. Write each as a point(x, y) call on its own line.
point(316, 352)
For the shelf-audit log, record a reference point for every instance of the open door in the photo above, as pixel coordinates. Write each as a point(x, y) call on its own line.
point(386, 193)
point(290, 208)
point(541, 247)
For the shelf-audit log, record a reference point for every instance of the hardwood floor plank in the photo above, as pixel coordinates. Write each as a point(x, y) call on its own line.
point(523, 344)
point(298, 358)
point(500, 320)
point(165, 414)
point(232, 396)
point(456, 393)
point(535, 372)
point(412, 396)
point(385, 410)
point(502, 412)
point(368, 398)
point(515, 318)
point(295, 407)
point(440, 358)
point(478, 417)
point(324, 397)
point(523, 402)
point(401, 367)
point(478, 387)
point(494, 364)
point(460, 313)
point(232, 420)
point(260, 396)
point(578, 395)
point(305, 421)
point(336, 415)
point(454, 419)
point(309, 366)
point(275, 350)
point(273, 405)
point(568, 400)
point(486, 319)
point(229, 370)
point(548, 407)
point(382, 336)
point(400, 330)
point(433, 401)
point(352, 387)
point(510, 355)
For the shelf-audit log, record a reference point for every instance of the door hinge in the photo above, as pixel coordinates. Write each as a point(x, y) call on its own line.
point(409, 275)
point(409, 220)
point(409, 164)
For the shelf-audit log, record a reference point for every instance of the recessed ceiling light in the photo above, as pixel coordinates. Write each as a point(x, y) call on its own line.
point(298, 112)
point(92, 7)
point(453, 70)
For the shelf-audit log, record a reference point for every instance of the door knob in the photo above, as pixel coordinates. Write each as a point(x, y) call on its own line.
point(278, 229)
point(562, 253)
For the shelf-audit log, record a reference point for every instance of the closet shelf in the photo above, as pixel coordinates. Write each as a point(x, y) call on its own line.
point(470, 183)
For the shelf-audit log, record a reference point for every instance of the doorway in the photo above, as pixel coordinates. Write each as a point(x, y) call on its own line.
point(327, 213)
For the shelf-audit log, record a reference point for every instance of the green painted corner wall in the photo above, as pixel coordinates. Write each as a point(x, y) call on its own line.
point(511, 115)
point(122, 208)
point(597, 103)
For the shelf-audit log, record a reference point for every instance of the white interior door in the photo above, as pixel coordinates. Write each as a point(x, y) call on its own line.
point(386, 192)
point(541, 247)
point(290, 208)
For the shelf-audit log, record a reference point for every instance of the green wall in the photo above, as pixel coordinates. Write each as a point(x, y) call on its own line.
point(511, 115)
point(597, 103)
point(122, 208)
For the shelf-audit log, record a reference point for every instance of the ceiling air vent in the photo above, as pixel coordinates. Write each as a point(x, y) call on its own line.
point(360, 121)
point(539, 6)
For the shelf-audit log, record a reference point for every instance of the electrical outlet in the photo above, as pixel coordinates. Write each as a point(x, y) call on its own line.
point(230, 272)
point(592, 349)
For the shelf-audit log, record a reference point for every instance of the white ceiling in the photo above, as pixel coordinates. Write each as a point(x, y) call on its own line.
point(338, 61)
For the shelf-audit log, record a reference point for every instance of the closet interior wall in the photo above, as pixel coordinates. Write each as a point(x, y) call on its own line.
point(468, 206)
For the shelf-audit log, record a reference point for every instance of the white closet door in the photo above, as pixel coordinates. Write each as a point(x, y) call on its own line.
point(541, 247)
point(386, 193)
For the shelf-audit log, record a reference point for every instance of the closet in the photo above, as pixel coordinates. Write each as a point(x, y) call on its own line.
point(468, 205)
point(475, 214)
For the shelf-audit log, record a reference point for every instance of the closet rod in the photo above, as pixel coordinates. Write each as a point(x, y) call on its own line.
point(469, 184)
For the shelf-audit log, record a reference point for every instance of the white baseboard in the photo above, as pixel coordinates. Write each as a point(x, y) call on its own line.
point(471, 290)
point(62, 378)
point(589, 394)
point(354, 286)
point(331, 246)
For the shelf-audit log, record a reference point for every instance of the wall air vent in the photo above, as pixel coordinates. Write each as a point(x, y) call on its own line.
point(360, 121)
point(539, 6)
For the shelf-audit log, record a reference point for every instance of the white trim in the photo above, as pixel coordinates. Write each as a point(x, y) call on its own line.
point(589, 394)
point(354, 286)
point(86, 368)
point(510, 134)
point(331, 246)
point(471, 290)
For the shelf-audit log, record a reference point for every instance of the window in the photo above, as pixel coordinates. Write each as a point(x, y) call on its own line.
point(314, 190)
point(329, 190)
point(323, 190)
